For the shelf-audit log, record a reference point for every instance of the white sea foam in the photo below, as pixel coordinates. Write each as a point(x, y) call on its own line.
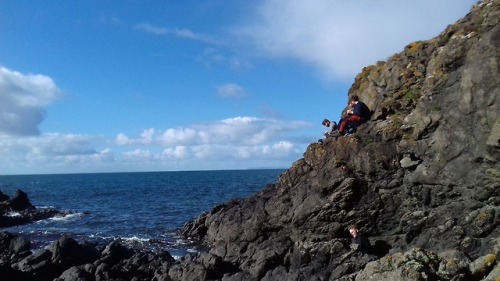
point(135, 239)
point(180, 242)
point(66, 217)
point(45, 207)
point(13, 214)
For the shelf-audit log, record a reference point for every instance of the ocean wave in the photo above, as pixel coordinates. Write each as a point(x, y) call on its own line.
point(66, 217)
point(45, 207)
point(135, 239)
point(13, 214)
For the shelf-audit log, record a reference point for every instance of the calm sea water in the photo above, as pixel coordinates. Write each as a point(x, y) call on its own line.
point(143, 209)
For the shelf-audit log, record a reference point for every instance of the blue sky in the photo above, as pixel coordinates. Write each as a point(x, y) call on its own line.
point(118, 86)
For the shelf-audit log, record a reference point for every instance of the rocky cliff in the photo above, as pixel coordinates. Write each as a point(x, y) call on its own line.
point(421, 179)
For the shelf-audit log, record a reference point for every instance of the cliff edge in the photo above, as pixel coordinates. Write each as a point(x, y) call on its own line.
point(421, 179)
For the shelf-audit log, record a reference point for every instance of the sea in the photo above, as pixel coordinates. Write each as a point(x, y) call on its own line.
point(145, 210)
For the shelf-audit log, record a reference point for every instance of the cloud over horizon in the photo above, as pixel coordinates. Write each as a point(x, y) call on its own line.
point(241, 130)
point(23, 98)
point(22, 101)
point(340, 38)
point(209, 145)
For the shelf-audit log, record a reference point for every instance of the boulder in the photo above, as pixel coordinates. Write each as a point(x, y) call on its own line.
point(66, 259)
point(75, 273)
point(20, 201)
point(25, 212)
point(19, 244)
point(3, 197)
point(67, 252)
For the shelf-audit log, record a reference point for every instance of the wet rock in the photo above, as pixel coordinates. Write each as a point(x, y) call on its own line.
point(18, 210)
point(66, 259)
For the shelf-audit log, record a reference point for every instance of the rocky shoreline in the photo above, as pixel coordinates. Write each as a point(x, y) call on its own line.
point(421, 179)
point(69, 260)
point(18, 210)
point(66, 259)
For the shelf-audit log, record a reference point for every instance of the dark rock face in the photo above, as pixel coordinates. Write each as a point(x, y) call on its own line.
point(421, 179)
point(20, 202)
point(25, 212)
point(68, 260)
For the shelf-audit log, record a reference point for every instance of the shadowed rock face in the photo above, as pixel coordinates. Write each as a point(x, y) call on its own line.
point(422, 177)
point(67, 260)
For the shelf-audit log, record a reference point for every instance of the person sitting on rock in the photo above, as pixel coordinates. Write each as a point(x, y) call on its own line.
point(357, 115)
point(332, 127)
point(359, 243)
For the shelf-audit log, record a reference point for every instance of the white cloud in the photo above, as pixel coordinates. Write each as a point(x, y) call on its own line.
point(54, 153)
point(50, 145)
point(138, 153)
point(232, 131)
point(238, 142)
point(283, 146)
point(178, 152)
point(231, 90)
point(179, 136)
point(61, 145)
point(213, 57)
point(203, 151)
point(105, 155)
point(232, 143)
point(272, 151)
point(147, 136)
point(341, 37)
point(122, 139)
point(182, 33)
point(22, 101)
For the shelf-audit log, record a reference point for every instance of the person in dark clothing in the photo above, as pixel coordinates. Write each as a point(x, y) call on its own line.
point(357, 115)
point(359, 243)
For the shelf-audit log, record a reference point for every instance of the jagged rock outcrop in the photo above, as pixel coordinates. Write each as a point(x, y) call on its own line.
point(67, 260)
point(18, 210)
point(422, 178)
